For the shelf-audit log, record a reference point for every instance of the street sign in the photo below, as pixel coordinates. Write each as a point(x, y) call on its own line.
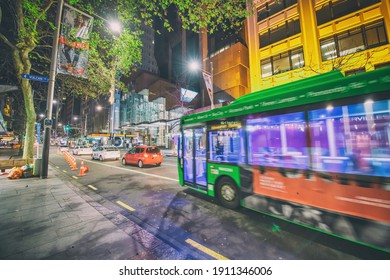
point(48, 122)
point(38, 133)
point(35, 78)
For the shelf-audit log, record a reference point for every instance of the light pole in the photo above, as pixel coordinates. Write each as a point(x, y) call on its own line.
point(49, 106)
point(100, 108)
point(116, 29)
point(85, 125)
point(208, 79)
point(48, 123)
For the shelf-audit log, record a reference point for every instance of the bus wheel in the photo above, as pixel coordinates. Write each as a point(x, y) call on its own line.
point(228, 193)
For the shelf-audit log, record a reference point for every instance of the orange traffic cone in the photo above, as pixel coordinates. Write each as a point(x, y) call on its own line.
point(73, 163)
point(82, 169)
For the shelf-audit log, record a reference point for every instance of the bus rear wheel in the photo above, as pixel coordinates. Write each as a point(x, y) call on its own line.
point(228, 193)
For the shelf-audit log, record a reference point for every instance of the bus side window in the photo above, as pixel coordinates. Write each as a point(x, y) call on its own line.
point(355, 138)
point(227, 146)
point(278, 141)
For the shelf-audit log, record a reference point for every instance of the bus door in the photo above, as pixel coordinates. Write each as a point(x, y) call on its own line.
point(195, 158)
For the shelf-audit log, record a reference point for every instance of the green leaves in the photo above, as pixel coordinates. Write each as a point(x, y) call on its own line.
point(125, 50)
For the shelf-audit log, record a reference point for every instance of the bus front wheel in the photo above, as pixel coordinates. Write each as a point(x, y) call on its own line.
point(228, 193)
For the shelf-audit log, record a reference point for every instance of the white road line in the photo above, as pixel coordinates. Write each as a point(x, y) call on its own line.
point(167, 164)
point(134, 171)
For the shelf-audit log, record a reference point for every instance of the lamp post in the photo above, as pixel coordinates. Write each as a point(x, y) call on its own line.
point(116, 28)
point(48, 123)
point(100, 108)
point(208, 79)
point(49, 106)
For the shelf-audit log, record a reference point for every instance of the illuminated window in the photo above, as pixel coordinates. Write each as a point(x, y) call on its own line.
point(282, 62)
point(278, 141)
point(227, 145)
point(340, 135)
point(354, 40)
point(350, 42)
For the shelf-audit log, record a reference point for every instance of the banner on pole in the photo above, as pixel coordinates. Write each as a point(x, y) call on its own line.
point(73, 47)
point(209, 85)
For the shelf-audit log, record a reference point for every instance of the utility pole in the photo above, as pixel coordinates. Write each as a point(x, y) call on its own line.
point(85, 125)
point(48, 123)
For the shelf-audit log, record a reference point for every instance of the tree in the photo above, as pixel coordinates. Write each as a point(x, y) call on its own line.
point(30, 42)
point(30, 39)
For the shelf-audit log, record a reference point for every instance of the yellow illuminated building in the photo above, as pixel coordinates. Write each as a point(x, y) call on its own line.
point(292, 39)
point(287, 40)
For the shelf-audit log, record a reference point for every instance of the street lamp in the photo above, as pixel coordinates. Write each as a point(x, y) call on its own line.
point(115, 26)
point(208, 79)
point(49, 105)
point(100, 108)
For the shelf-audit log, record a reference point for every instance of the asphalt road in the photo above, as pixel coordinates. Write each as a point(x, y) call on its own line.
point(153, 198)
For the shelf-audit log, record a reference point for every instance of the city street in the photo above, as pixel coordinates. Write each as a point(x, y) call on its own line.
point(153, 199)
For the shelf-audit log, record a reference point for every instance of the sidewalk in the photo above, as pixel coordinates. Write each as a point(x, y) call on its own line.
point(53, 219)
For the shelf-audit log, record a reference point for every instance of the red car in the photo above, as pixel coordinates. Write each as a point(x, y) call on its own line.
point(143, 155)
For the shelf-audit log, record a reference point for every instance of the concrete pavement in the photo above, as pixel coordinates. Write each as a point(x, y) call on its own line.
point(53, 219)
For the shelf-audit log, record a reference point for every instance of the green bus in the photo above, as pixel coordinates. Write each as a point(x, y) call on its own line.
point(315, 152)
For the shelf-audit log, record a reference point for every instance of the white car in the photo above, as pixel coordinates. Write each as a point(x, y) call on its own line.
point(79, 150)
point(64, 148)
point(103, 153)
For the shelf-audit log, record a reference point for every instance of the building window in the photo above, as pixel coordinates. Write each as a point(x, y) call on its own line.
point(333, 10)
point(344, 7)
point(280, 32)
point(354, 40)
point(266, 68)
point(382, 65)
point(297, 59)
point(350, 42)
point(272, 7)
point(375, 34)
point(282, 62)
point(355, 71)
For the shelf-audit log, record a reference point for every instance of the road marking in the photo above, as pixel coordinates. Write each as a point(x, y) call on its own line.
point(167, 164)
point(205, 250)
point(92, 187)
point(57, 167)
point(64, 171)
point(124, 205)
point(74, 177)
point(134, 171)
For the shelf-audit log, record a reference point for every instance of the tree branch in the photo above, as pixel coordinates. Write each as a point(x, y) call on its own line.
point(44, 11)
point(41, 57)
point(44, 46)
point(7, 42)
point(36, 71)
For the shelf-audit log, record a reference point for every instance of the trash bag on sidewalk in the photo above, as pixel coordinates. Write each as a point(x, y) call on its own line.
point(15, 173)
point(27, 171)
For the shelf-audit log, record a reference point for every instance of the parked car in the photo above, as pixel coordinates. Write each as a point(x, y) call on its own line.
point(143, 155)
point(104, 152)
point(64, 148)
point(82, 150)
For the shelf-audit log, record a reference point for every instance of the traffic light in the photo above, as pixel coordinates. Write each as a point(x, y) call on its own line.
point(67, 127)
